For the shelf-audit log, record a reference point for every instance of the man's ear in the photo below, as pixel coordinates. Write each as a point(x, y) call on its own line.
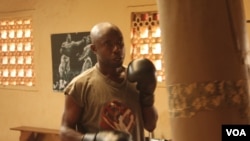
point(93, 48)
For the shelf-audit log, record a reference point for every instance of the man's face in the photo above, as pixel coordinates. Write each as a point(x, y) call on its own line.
point(88, 41)
point(110, 49)
point(68, 38)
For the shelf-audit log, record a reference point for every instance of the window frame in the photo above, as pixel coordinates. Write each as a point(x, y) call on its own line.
point(22, 14)
point(143, 8)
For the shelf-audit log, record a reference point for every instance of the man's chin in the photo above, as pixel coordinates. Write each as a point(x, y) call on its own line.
point(118, 63)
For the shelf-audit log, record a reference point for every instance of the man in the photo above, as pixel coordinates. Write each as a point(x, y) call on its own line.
point(101, 104)
point(87, 61)
point(64, 66)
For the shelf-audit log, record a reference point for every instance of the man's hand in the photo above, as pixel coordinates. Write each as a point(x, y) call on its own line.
point(113, 135)
point(142, 71)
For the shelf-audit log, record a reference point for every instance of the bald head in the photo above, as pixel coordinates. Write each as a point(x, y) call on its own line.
point(102, 29)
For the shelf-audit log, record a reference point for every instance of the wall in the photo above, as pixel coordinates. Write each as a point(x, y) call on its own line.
point(40, 106)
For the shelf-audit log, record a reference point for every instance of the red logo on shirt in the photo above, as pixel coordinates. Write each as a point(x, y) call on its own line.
point(117, 116)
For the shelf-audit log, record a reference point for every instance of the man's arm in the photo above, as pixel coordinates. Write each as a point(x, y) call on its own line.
point(150, 117)
point(71, 115)
point(77, 43)
point(142, 71)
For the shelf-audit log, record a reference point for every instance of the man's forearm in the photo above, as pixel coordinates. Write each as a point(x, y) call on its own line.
point(68, 134)
point(150, 117)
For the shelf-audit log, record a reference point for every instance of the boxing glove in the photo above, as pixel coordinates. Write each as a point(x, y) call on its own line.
point(143, 72)
point(113, 135)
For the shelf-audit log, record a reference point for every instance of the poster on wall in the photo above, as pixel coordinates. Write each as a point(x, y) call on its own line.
point(71, 55)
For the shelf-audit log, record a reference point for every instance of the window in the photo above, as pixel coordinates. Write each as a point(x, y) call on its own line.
point(146, 40)
point(16, 52)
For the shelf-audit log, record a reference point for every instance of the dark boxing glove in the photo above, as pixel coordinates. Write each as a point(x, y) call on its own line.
point(113, 135)
point(143, 72)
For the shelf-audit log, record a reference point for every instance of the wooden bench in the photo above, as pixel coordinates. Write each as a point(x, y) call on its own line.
point(37, 134)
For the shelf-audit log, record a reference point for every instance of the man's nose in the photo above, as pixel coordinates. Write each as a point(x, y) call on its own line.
point(117, 47)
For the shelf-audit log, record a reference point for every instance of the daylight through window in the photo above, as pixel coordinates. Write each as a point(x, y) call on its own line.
point(16, 52)
point(146, 40)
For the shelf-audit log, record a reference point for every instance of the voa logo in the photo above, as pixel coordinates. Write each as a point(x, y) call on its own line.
point(236, 132)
